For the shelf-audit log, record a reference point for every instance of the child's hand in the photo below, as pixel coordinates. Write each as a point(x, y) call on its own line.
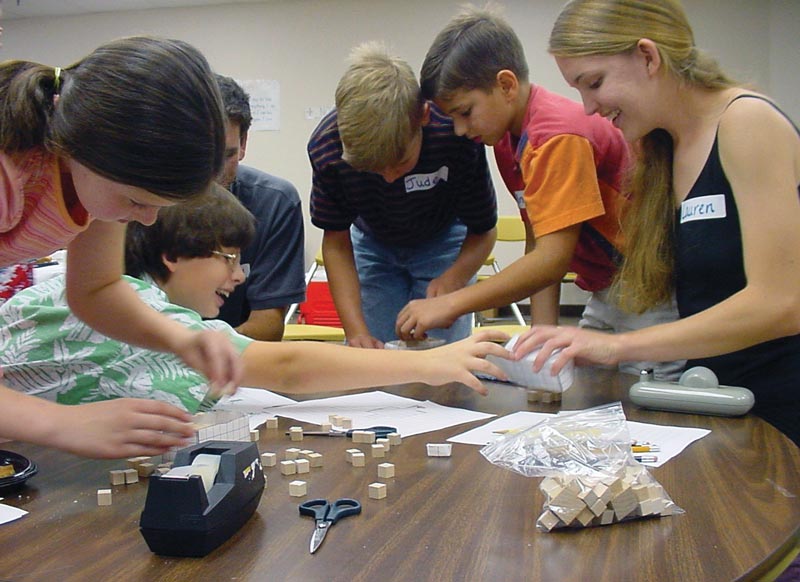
point(365, 341)
point(457, 361)
point(212, 353)
point(420, 315)
point(125, 427)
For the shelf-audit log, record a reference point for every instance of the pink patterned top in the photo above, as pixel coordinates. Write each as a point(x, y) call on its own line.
point(34, 219)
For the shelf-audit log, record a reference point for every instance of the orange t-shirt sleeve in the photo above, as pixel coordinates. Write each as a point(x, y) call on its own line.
point(561, 186)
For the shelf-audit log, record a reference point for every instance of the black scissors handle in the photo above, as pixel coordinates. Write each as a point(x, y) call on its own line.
point(381, 432)
point(342, 508)
point(320, 509)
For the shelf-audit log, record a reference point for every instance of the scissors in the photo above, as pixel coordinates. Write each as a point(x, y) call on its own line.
point(325, 515)
point(381, 432)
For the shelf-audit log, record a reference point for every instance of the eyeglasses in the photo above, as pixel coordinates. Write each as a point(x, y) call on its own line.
point(234, 261)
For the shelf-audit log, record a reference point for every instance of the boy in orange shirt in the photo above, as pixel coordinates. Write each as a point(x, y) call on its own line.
point(563, 167)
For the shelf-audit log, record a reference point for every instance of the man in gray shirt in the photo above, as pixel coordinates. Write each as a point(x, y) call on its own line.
point(276, 255)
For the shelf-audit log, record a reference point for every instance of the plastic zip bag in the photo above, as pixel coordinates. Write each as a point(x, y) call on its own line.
point(590, 474)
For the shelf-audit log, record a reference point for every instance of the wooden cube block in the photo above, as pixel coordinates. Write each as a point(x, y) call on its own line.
point(325, 427)
point(104, 497)
point(535, 396)
point(439, 449)
point(598, 507)
point(296, 433)
point(363, 436)
point(359, 459)
point(548, 520)
point(254, 436)
point(304, 453)
point(548, 397)
point(566, 514)
point(315, 459)
point(350, 453)
point(585, 517)
point(624, 504)
point(291, 454)
point(604, 493)
point(334, 419)
point(378, 451)
point(649, 507)
point(385, 470)
point(345, 422)
point(566, 497)
point(550, 486)
point(131, 476)
point(272, 423)
point(269, 459)
point(303, 465)
point(298, 488)
point(116, 477)
point(145, 469)
point(377, 490)
point(394, 438)
point(136, 461)
point(288, 467)
point(387, 444)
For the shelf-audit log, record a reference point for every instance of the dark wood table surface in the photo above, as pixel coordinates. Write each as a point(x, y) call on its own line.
point(457, 518)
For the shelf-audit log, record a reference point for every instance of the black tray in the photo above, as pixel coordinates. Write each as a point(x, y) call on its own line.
point(24, 467)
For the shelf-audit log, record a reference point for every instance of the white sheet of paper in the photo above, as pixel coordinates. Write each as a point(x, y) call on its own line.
point(670, 439)
point(379, 408)
point(258, 404)
point(10, 513)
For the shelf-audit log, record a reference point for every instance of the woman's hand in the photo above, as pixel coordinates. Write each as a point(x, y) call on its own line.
point(581, 345)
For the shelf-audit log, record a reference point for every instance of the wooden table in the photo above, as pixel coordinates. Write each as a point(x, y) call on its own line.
point(457, 518)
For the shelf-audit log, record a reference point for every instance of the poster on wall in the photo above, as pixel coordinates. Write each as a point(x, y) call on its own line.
point(265, 103)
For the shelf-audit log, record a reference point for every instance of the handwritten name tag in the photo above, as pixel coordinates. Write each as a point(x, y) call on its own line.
point(703, 208)
point(416, 182)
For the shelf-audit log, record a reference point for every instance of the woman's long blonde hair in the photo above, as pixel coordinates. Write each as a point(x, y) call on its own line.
point(608, 27)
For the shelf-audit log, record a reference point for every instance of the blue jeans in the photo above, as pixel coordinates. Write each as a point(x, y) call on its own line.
point(391, 276)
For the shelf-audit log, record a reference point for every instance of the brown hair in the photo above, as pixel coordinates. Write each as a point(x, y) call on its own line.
point(469, 52)
point(608, 27)
point(191, 229)
point(379, 108)
point(140, 111)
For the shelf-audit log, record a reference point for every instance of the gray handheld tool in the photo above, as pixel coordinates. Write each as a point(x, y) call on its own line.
point(697, 391)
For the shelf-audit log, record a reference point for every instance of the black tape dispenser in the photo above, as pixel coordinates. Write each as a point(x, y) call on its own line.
point(697, 391)
point(211, 491)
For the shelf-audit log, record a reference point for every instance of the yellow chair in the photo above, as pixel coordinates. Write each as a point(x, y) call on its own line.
point(509, 229)
point(306, 331)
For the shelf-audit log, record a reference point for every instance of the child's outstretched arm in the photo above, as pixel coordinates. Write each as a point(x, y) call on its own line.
point(125, 427)
point(99, 296)
point(295, 367)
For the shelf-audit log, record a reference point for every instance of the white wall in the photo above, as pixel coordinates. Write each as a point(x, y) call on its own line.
point(303, 45)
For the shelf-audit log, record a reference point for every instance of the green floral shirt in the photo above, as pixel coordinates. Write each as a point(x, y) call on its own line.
point(46, 351)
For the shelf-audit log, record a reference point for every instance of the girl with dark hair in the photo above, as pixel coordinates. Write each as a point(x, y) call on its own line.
point(135, 126)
